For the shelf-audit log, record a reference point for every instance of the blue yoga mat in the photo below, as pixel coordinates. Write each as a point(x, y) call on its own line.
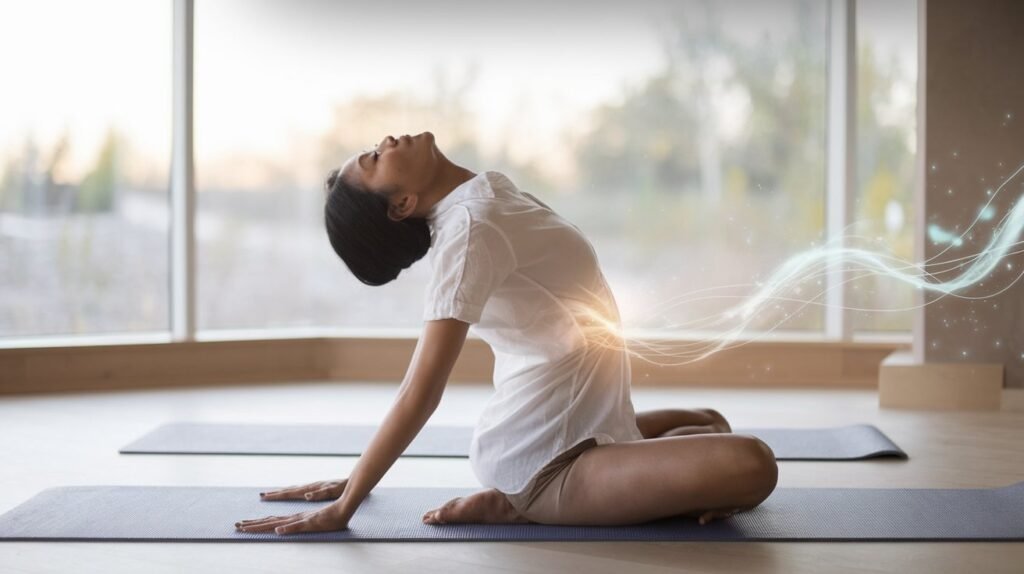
point(852, 442)
point(193, 513)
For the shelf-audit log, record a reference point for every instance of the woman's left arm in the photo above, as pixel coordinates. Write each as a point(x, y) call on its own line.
point(418, 398)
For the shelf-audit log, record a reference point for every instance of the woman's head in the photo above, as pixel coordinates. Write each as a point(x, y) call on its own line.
point(402, 169)
point(377, 203)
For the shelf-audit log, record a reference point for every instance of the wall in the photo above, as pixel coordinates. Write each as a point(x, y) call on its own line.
point(974, 139)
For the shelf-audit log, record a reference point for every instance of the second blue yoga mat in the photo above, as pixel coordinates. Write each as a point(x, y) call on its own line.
point(831, 443)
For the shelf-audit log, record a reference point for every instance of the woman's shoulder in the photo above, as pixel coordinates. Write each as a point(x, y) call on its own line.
point(497, 179)
point(484, 201)
point(468, 237)
point(466, 220)
point(493, 202)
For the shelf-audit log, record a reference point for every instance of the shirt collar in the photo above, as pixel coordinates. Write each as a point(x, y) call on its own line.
point(465, 190)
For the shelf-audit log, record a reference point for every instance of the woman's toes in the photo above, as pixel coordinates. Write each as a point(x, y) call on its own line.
point(444, 514)
point(434, 517)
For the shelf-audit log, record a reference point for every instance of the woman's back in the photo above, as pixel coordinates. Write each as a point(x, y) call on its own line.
point(529, 283)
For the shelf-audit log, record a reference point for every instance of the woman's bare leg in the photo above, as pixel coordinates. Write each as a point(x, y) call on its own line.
point(638, 481)
point(491, 506)
point(681, 422)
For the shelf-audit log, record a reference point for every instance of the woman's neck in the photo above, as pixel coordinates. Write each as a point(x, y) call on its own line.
point(450, 176)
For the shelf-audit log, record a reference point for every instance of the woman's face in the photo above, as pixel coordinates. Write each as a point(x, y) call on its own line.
point(406, 165)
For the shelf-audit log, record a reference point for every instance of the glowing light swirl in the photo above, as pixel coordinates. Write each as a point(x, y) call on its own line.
point(602, 327)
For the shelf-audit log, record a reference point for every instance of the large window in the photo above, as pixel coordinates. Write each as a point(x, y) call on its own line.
point(887, 138)
point(687, 139)
point(85, 124)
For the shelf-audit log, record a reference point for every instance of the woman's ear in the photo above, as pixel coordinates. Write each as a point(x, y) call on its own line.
point(402, 207)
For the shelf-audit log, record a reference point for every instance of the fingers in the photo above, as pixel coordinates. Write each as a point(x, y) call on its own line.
point(294, 527)
point(292, 492)
point(299, 492)
point(289, 493)
point(256, 520)
point(311, 521)
point(268, 523)
point(325, 493)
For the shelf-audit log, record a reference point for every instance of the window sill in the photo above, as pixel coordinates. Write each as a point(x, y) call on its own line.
point(142, 361)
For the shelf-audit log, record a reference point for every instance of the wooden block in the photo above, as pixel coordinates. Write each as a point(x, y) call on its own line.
point(906, 384)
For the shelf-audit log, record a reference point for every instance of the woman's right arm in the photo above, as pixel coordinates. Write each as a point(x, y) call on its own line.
point(418, 397)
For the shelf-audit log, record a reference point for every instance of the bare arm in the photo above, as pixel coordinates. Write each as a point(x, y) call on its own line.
point(418, 397)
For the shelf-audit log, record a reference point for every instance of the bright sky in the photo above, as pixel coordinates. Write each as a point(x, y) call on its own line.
point(76, 65)
point(268, 73)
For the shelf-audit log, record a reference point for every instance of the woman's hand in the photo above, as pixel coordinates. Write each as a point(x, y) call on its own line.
point(320, 490)
point(323, 519)
point(319, 520)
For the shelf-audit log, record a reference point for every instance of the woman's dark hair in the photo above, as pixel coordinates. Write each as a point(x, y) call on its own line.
point(374, 247)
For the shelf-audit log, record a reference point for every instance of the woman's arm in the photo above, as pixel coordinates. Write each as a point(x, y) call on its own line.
point(432, 361)
point(418, 397)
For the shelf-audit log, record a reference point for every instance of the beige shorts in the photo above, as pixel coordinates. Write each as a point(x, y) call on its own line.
point(539, 500)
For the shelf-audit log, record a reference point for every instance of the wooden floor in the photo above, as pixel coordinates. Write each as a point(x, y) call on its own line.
point(73, 439)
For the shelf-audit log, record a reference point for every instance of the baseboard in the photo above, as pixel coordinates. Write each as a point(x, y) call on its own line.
point(755, 364)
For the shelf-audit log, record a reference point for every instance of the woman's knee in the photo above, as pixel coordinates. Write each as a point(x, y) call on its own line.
point(762, 469)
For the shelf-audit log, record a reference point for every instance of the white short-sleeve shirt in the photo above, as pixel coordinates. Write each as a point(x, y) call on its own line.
point(529, 283)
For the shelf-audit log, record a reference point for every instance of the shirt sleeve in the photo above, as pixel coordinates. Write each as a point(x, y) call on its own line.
point(470, 260)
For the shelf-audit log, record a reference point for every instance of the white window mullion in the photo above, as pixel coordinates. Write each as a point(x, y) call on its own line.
point(182, 183)
point(841, 159)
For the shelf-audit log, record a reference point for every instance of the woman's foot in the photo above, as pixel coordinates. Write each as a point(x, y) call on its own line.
point(717, 424)
point(485, 507)
point(679, 422)
point(685, 431)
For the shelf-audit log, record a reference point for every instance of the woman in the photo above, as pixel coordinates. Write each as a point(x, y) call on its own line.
point(559, 442)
